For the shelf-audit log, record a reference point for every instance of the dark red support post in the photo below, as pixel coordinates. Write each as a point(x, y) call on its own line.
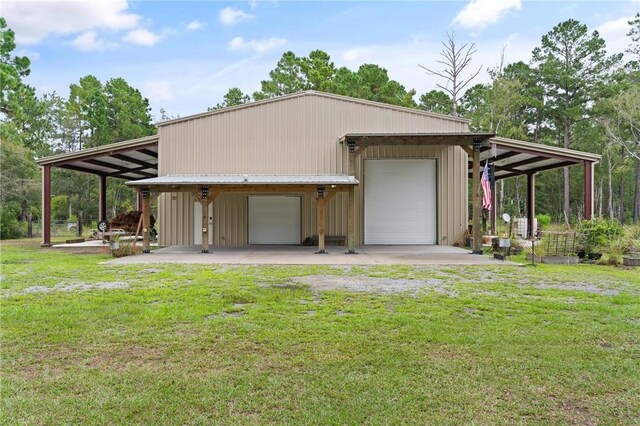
point(102, 201)
point(531, 204)
point(46, 205)
point(588, 189)
point(492, 212)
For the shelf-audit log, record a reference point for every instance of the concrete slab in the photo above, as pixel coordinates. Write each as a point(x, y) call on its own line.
point(297, 255)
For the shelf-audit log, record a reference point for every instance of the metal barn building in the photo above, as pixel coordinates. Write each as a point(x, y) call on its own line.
point(313, 165)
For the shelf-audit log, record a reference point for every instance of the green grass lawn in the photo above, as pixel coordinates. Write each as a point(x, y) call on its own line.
point(170, 344)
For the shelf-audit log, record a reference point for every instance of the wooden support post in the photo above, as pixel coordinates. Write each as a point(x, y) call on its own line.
point(46, 205)
point(102, 198)
point(320, 218)
point(477, 205)
point(352, 163)
point(139, 201)
point(351, 226)
point(351, 210)
point(531, 204)
point(135, 239)
point(204, 202)
point(146, 223)
point(588, 189)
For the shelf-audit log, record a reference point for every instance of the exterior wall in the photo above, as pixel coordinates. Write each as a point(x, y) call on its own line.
point(293, 136)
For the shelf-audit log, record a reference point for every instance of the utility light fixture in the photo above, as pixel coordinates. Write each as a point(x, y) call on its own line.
point(351, 143)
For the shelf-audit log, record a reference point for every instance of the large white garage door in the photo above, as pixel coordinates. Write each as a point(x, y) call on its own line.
point(274, 220)
point(400, 202)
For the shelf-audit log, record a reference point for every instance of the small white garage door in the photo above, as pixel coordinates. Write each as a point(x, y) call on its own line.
point(274, 220)
point(400, 203)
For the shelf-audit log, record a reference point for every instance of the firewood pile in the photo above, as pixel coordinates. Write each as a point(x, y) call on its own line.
point(129, 221)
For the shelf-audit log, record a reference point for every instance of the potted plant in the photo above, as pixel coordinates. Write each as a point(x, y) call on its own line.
point(597, 234)
point(114, 242)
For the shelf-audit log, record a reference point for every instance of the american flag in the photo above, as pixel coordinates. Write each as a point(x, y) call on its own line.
point(486, 187)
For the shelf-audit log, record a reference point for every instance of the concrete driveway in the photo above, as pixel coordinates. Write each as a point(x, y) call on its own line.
point(298, 255)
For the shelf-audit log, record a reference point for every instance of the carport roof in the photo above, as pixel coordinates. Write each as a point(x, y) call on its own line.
point(132, 159)
point(511, 157)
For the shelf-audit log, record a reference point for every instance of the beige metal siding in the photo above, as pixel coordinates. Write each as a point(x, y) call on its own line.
point(299, 135)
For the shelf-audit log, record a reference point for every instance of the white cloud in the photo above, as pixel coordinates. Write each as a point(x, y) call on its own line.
point(262, 46)
point(159, 91)
point(31, 54)
point(357, 54)
point(88, 41)
point(195, 25)
point(615, 34)
point(141, 37)
point(481, 13)
point(253, 4)
point(32, 21)
point(231, 16)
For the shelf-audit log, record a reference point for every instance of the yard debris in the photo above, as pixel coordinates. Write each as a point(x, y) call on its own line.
point(129, 221)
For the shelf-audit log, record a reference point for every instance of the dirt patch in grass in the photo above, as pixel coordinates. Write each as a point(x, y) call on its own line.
point(370, 284)
point(589, 288)
point(106, 285)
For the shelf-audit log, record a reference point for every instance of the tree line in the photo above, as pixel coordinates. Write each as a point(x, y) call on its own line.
point(571, 94)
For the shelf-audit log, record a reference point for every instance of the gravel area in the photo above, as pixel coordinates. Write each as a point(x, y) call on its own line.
point(113, 285)
point(370, 284)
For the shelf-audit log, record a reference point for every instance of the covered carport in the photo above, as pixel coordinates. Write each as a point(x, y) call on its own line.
point(510, 157)
point(128, 160)
point(506, 158)
point(207, 188)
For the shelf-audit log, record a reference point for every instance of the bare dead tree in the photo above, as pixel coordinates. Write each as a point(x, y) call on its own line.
point(456, 60)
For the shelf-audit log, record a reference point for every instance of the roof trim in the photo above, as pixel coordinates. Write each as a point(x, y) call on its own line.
point(313, 93)
point(514, 143)
point(246, 179)
point(423, 138)
point(104, 149)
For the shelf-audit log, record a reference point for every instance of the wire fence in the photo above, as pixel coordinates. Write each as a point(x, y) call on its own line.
point(560, 243)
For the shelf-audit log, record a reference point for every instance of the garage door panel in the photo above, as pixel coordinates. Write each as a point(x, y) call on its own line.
point(400, 202)
point(274, 220)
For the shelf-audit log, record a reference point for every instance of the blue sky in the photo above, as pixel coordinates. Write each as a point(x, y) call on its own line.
point(184, 55)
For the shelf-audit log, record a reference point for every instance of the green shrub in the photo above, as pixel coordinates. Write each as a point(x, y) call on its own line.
point(544, 220)
point(598, 234)
point(613, 252)
point(59, 207)
point(126, 248)
point(9, 225)
point(631, 238)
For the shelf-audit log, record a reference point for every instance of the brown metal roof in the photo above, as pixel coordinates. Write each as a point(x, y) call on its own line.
point(513, 157)
point(320, 94)
point(130, 160)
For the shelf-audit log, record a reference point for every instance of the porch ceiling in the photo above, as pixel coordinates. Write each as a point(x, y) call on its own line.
point(513, 157)
point(130, 160)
